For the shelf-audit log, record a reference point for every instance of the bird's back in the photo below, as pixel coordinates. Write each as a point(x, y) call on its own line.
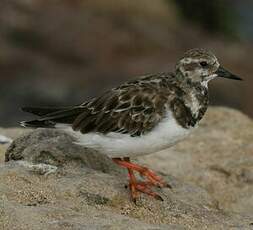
point(134, 108)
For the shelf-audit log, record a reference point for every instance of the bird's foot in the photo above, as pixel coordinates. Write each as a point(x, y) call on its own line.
point(141, 186)
point(144, 187)
point(153, 178)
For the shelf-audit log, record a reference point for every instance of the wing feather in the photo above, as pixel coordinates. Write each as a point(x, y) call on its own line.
point(134, 109)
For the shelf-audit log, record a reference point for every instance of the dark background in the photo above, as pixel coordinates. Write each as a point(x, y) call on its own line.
point(64, 52)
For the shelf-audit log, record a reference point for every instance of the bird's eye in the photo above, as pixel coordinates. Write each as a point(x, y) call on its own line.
point(203, 63)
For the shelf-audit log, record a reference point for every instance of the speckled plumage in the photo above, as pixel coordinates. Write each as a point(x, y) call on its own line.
point(136, 107)
point(130, 114)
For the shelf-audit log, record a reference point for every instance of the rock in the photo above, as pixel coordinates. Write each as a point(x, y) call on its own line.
point(55, 147)
point(87, 189)
point(82, 198)
point(218, 157)
point(9, 134)
point(2, 152)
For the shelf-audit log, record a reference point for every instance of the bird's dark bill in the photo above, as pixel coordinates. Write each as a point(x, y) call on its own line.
point(221, 72)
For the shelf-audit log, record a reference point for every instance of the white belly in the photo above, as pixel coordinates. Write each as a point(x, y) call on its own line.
point(167, 133)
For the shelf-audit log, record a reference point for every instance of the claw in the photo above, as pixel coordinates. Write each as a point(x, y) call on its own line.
point(158, 197)
point(145, 189)
point(168, 186)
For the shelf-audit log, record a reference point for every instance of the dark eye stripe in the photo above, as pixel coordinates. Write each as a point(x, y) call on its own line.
point(203, 63)
point(191, 66)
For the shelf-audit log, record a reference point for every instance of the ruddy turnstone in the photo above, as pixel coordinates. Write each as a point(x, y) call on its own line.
point(141, 116)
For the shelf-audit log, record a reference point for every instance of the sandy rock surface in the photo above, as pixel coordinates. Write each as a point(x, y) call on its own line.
point(49, 183)
point(217, 157)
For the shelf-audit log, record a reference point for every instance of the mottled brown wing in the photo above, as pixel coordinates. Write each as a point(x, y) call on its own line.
point(130, 109)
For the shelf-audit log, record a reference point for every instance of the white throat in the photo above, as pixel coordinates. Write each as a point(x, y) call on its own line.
point(207, 79)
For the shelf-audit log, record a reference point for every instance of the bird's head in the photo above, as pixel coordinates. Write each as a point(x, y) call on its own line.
point(199, 65)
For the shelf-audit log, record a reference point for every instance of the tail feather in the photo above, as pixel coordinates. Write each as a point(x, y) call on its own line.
point(65, 113)
point(37, 124)
point(41, 111)
point(49, 117)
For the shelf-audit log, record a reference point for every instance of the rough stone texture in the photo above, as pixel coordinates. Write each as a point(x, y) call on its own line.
point(211, 175)
point(217, 157)
point(11, 133)
point(56, 148)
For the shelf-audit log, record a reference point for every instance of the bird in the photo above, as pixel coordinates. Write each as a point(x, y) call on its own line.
point(142, 116)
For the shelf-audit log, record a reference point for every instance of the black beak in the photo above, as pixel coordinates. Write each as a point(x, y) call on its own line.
point(221, 72)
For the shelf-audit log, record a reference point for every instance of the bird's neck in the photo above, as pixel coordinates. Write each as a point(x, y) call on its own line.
point(192, 105)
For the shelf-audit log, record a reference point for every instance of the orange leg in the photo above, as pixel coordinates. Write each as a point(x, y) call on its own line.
point(132, 184)
point(143, 186)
